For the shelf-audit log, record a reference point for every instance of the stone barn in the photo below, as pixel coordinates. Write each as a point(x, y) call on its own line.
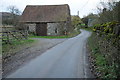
point(47, 19)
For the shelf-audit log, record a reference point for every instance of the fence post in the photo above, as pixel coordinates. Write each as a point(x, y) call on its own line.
point(26, 34)
point(7, 37)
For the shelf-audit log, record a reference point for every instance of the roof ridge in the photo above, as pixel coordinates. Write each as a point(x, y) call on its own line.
point(49, 5)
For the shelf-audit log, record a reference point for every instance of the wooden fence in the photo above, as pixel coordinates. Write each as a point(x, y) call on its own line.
point(11, 36)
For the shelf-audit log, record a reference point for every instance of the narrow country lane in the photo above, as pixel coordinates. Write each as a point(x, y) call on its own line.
point(66, 60)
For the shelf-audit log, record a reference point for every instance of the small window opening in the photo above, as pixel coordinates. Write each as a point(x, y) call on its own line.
point(56, 30)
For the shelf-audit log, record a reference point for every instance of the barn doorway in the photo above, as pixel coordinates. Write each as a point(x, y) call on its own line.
point(41, 29)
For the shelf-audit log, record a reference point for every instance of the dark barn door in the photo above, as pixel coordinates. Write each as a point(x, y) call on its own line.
point(41, 29)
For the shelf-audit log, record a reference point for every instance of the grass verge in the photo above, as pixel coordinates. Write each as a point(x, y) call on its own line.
point(15, 46)
point(50, 37)
point(72, 34)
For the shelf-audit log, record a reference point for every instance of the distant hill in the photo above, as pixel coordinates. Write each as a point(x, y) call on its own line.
point(5, 15)
point(8, 18)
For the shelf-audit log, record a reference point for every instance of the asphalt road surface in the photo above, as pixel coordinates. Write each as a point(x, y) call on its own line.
point(66, 60)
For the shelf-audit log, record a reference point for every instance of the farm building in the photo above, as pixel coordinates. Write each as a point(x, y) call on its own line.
point(47, 19)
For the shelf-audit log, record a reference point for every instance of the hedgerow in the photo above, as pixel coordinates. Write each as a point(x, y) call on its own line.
point(107, 56)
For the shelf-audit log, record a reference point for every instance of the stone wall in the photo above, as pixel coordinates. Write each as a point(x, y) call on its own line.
point(52, 28)
point(55, 28)
point(32, 27)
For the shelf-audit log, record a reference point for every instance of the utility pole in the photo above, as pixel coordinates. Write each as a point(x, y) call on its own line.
point(78, 13)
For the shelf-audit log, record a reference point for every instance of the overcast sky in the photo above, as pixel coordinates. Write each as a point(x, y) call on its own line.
point(83, 6)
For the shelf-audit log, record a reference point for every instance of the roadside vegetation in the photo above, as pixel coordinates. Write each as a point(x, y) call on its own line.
point(11, 49)
point(104, 43)
point(104, 50)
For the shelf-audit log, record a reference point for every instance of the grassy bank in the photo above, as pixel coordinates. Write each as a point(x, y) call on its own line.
point(11, 49)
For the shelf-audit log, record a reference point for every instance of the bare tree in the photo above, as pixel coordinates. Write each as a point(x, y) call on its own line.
point(14, 10)
point(15, 13)
point(108, 12)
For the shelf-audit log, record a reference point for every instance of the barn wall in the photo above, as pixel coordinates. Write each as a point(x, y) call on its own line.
point(52, 28)
point(55, 28)
point(32, 27)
